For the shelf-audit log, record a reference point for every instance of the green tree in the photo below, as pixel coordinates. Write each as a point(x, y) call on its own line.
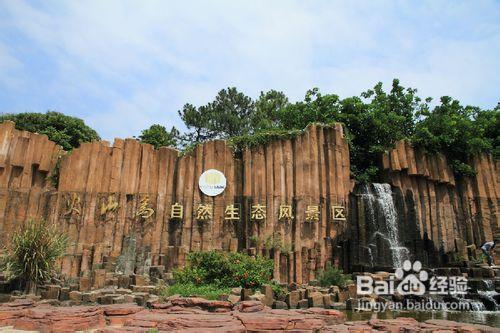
point(372, 122)
point(33, 250)
point(231, 113)
point(376, 124)
point(158, 136)
point(458, 131)
point(197, 121)
point(316, 108)
point(267, 108)
point(227, 116)
point(67, 131)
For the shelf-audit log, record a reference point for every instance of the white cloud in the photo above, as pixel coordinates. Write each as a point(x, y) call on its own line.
point(125, 65)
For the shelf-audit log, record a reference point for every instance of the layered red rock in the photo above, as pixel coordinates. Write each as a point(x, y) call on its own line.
point(451, 213)
point(116, 200)
point(130, 318)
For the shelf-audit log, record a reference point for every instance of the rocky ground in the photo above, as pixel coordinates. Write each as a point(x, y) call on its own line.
point(200, 315)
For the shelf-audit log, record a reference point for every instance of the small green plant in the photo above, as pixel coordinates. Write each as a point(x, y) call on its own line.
point(256, 241)
point(32, 253)
point(279, 291)
point(272, 243)
point(287, 248)
point(252, 141)
point(333, 276)
point(189, 289)
point(54, 175)
point(223, 269)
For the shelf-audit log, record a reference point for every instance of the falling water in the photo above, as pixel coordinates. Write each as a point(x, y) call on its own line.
point(380, 208)
point(489, 296)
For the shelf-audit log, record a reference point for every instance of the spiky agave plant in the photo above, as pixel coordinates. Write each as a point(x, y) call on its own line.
point(32, 252)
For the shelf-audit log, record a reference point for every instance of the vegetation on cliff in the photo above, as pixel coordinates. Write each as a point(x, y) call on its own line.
point(32, 253)
point(158, 136)
point(69, 132)
point(373, 123)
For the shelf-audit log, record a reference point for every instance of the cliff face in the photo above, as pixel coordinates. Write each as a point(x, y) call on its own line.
point(26, 162)
point(129, 206)
point(438, 215)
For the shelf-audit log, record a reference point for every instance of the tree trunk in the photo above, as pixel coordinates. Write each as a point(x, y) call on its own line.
point(30, 287)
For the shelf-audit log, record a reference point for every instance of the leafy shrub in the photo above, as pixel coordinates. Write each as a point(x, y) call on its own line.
point(189, 289)
point(67, 131)
point(279, 291)
point(332, 276)
point(222, 269)
point(32, 253)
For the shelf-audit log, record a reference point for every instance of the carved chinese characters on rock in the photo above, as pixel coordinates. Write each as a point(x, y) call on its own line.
point(72, 208)
point(73, 205)
point(338, 213)
point(258, 212)
point(204, 212)
point(176, 211)
point(108, 207)
point(144, 211)
point(232, 212)
point(312, 213)
point(285, 213)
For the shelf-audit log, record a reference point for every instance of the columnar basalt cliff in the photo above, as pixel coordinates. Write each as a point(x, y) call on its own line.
point(438, 215)
point(26, 163)
point(129, 207)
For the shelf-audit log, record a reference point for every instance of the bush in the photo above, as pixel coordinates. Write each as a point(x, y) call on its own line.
point(223, 270)
point(31, 255)
point(189, 289)
point(67, 131)
point(332, 276)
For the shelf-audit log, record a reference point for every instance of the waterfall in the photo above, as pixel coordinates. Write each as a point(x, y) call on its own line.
point(490, 297)
point(382, 222)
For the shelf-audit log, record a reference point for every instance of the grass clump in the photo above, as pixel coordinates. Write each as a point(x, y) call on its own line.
point(190, 289)
point(32, 253)
point(263, 137)
point(333, 276)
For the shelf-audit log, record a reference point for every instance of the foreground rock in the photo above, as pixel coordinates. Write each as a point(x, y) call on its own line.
point(199, 315)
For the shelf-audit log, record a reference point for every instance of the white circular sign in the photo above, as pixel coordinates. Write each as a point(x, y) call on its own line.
point(212, 182)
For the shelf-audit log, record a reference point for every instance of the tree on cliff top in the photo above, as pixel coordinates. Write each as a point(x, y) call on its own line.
point(373, 122)
point(231, 114)
point(458, 131)
point(67, 131)
point(158, 136)
point(228, 115)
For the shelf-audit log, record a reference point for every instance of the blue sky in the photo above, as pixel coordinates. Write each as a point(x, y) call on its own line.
point(124, 65)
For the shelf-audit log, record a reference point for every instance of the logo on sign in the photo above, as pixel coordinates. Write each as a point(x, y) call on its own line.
point(212, 182)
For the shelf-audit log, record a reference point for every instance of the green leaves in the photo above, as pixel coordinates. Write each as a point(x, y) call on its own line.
point(231, 114)
point(332, 276)
point(33, 251)
point(459, 132)
point(224, 270)
point(189, 289)
point(67, 131)
point(158, 136)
